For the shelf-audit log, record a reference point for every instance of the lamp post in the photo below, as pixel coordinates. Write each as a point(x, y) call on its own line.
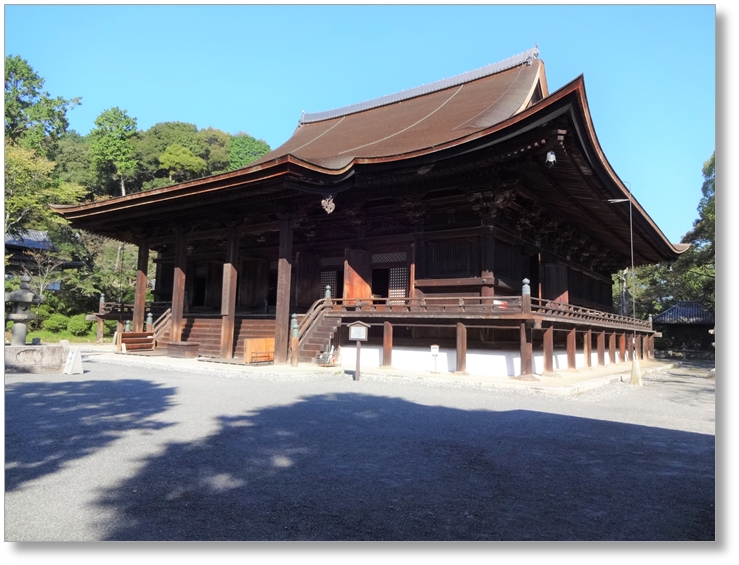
point(635, 370)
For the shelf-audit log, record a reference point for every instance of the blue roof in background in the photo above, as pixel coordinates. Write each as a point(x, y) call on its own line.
point(31, 239)
point(687, 312)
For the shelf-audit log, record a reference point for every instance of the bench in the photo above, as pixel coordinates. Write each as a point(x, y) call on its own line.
point(260, 357)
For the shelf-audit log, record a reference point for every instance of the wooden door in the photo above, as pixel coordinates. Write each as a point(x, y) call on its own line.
point(307, 279)
point(555, 283)
point(357, 274)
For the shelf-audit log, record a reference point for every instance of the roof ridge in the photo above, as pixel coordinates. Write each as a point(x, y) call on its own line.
point(522, 58)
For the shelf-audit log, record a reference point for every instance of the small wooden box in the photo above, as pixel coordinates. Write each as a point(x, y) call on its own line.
point(183, 349)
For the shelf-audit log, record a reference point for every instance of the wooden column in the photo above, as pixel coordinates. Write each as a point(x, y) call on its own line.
point(387, 344)
point(549, 350)
point(630, 346)
point(487, 260)
point(178, 287)
point(651, 347)
point(526, 351)
point(587, 346)
point(282, 312)
point(228, 294)
point(139, 301)
point(622, 346)
point(612, 347)
point(639, 353)
point(601, 348)
point(571, 349)
point(461, 348)
point(412, 273)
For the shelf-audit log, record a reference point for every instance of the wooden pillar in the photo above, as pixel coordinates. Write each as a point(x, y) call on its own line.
point(630, 346)
point(487, 260)
point(100, 322)
point(612, 347)
point(178, 287)
point(119, 335)
point(639, 352)
point(526, 357)
point(228, 294)
point(601, 348)
point(282, 312)
point(587, 346)
point(549, 350)
point(461, 348)
point(571, 349)
point(387, 344)
point(651, 346)
point(139, 301)
point(622, 346)
point(412, 273)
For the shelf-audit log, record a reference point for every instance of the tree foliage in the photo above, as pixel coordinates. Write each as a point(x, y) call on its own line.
point(30, 188)
point(244, 150)
point(693, 275)
point(33, 119)
point(180, 162)
point(111, 147)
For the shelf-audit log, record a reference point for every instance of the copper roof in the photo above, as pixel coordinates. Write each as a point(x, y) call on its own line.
point(687, 312)
point(417, 119)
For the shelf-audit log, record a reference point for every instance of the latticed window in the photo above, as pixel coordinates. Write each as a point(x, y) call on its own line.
point(398, 284)
point(329, 278)
point(453, 258)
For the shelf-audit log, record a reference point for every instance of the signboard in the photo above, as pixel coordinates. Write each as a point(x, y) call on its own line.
point(434, 350)
point(73, 366)
point(358, 331)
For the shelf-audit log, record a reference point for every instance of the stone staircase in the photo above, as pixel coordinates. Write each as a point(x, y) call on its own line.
point(207, 332)
point(318, 339)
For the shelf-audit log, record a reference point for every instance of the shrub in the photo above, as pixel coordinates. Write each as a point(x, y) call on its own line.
point(109, 328)
point(56, 323)
point(78, 325)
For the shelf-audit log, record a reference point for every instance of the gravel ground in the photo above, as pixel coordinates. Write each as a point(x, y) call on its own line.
point(139, 452)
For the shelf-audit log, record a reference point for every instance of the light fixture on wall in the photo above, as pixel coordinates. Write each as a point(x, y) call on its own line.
point(551, 159)
point(328, 203)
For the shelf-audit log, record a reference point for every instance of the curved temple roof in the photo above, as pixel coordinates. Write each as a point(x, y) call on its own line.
point(420, 118)
point(490, 108)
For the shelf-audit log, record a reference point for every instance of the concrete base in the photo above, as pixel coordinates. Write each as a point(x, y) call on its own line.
point(48, 358)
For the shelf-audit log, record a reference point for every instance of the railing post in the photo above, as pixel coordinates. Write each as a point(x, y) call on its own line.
point(549, 350)
point(294, 340)
point(526, 297)
point(149, 322)
point(327, 294)
point(387, 344)
point(461, 348)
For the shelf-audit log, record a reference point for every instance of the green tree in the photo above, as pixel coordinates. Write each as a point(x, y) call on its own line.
point(33, 119)
point(111, 147)
point(693, 275)
point(74, 163)
point(30, 188)
point(180, 162)
point(218, 146)
point(244, 150)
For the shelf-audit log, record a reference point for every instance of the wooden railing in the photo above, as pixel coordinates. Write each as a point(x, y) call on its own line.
point(161, 325)
point(570, 312)
point(430, 304)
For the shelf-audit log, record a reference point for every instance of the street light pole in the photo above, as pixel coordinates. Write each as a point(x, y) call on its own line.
point(635, 370)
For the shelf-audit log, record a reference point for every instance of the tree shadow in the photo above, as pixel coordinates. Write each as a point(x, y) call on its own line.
point(360, 467)
point(48, 424)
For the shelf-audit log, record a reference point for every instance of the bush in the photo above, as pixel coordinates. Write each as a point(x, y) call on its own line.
point(56, 323)
point(78, 325)
point(109, 328)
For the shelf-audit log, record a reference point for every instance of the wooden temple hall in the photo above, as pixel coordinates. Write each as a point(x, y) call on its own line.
point(474, 213)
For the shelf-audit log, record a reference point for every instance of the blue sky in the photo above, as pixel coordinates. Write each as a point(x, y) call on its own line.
point(649, 70)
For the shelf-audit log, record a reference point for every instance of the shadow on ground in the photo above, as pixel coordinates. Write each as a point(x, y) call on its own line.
point(48, 424)
point(361, 467)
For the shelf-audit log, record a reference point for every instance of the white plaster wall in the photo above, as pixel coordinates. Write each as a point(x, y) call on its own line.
point(479, 362)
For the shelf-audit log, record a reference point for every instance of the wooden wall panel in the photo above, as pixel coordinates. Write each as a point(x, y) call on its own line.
point(308, 279)
point(357, 274)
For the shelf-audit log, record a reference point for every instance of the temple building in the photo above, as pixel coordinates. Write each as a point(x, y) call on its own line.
point(477, 213)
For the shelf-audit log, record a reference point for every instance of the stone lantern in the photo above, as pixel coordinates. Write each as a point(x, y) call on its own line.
point(23, 299)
